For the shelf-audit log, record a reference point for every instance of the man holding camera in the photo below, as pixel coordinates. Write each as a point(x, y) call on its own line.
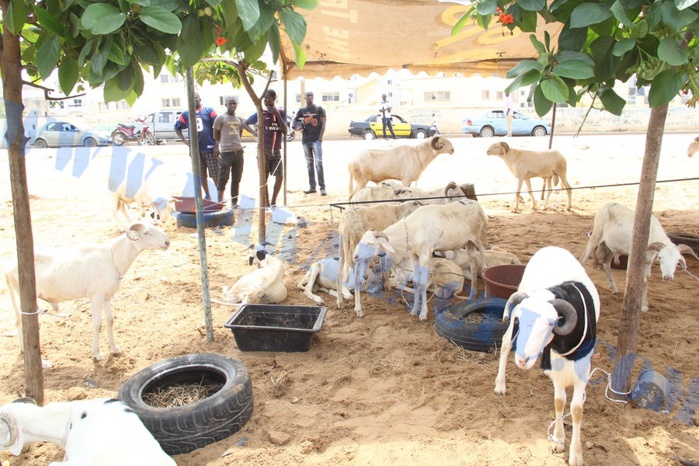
point(311, 120)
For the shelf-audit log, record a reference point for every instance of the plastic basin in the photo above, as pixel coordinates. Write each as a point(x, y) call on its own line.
point(187, 205)
point(502, 280)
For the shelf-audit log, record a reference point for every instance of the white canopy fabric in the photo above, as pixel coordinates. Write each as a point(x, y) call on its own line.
point(347, 37)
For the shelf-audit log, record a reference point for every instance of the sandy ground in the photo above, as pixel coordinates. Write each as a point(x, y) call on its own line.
point(384, 389)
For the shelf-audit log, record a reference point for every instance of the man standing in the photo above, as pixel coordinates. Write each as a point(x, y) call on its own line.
point(385, 110)
point(227, 130)
point(509, 112)
point(434, 123)
point(208, 149)
point(273, 132)
point(313, 118)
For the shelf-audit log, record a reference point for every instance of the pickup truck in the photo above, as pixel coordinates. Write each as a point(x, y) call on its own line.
point(162, 123)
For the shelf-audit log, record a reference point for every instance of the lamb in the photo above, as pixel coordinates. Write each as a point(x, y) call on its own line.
point(323, 276)
point(264, 285)
point(90, 271)
point(404, 163)
point(101, 431)
point(693, 147)
point(527, 164)
point(397, 192)
point(353, 224)
point(148, 196)
point(469, 256)
point(611, 237)
point(451, 226)
point(554, 315)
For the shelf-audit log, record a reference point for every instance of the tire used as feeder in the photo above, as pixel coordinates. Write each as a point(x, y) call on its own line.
point(225, 217)
point(182, 429)
point(475, 325)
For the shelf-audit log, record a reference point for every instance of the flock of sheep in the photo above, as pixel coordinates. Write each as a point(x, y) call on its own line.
point(435, 240)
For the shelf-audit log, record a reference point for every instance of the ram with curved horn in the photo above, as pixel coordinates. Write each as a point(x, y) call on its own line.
point(553, 315)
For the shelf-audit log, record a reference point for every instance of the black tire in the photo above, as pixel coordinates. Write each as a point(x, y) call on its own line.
point(89, 142)
point(118, 138)
point(689, 239)
point(183, 429)
point(487, 132)
point(420, 134)
point(539, 131)
point(483, 335)
point(368, 135)
point(225, 217)
point(40, 144)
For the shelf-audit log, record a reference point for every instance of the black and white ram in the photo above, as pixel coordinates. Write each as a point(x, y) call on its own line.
point(553, 315)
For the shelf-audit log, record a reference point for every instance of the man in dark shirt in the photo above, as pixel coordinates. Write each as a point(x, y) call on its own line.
point(313, 118)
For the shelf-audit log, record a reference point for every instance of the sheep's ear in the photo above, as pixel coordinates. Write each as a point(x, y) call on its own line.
point(436, 143)
point(133, 231)
point(684, 249)
point(505, 147)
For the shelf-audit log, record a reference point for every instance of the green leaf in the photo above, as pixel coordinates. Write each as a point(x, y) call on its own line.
point(17, 14)
point(574, 69)
point(306, 4)
point(674, 18)
point(68, 73)
point(487, 7)
point(49, 21)
point(620, 13)
point(542, 105)
point(256, 50)
point(102, 18)
point(150, 52)
point(605, 61)
point(140, 2)
point(527, 21)
point(587, 14)
point(116, 54)
point(274, 42)
point(531, 5)
point(262, 26)
point(161, 19)
point(47, 56)
point(460, 24)
point(684, 4)
point(525, 79)
point(665, 87)
point(623, 46)
point(294, 25)
point(611, 100)
point(190, 43)
point(564, 55)
point(112, 91)
point(572, 39)
point(537, 44)
point(169, 5)
point(640, 30)
point(125, 79)
point(554, 89)
point(671, 52)
point(524, 66)
point(85, 51)
point(249, 12)
point(300, 56)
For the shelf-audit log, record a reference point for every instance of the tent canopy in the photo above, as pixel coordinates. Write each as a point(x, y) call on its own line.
point(347, 37)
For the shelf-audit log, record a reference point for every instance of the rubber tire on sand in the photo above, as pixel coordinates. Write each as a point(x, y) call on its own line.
point(224, 217)
point(689, 239)
point(482, 335)
point(183, 429)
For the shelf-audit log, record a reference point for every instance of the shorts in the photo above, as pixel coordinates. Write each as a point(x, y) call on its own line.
point(273, 162)
point(212, 163)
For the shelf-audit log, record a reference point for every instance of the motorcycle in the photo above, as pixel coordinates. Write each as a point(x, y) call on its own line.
point(141, 133)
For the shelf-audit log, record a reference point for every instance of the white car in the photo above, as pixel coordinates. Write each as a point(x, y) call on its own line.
point(62, 133)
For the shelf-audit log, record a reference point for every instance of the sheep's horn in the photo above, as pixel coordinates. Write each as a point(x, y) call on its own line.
point(469, 191)
point(451, 185)
point(568, 317)
point(435, 143)
point(684, 249)
point(8, 420)
point(380, 234)
point(514, 300)
point(657, 246)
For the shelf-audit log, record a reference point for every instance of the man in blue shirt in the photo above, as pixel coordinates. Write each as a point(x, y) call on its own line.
point(208, 149)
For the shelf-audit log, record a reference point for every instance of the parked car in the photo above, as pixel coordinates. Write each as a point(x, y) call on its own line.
point(493, 123)
point(62, 133)
point(373, 126)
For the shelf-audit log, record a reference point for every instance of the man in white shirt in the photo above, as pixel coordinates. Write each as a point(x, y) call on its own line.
point(509, 112)
point(385, 111)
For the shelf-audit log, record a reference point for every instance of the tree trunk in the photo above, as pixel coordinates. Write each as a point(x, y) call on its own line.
point(630, 322)
point(10, 65)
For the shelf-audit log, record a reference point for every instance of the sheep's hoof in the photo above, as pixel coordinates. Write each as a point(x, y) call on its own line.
point(500, 391)
point(360, 314)
point(98, 357)
point(558, 446)
point(575, 460)
point(46, 364)
point(10, 333)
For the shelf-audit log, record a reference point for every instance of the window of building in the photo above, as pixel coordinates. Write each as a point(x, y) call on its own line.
point(170, 103)
point(166, 78)
point(298, 98)
point(75, 103)
point(441, 96)
point(485, 95)
point(500, 95)
point(330, 97)
point(104, 107)
point(122, 105)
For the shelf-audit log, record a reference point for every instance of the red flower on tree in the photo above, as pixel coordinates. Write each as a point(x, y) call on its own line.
point(220, 40)
point(506, 18)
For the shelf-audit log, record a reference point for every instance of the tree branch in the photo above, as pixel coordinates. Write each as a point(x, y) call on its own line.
point(48, 90)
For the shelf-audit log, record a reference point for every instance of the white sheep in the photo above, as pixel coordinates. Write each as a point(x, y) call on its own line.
point(470, 257)
point(353, 224)
point(527, 164)
point(147, 197)
point(554, 315)
point(693, 147)
point(428, 229)
point(323, 276)
point(404, 163)
point(91, 271)
point(102, 431)
point(397, 192)
point(611, 237)
point(264, 285)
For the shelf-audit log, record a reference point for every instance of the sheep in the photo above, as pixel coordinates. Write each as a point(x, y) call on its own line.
point(91, 271)
point(148, 196)
point(264, 285)
point(353, 224)
point(465, 257)
point(101, 431)
point(611, 237)
point(445, 278)
point(322, 275)
point(451, 226)
point(404, 163)
point(527, 164)
point(693, 148)
point(397, 192)
point(554, 315)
